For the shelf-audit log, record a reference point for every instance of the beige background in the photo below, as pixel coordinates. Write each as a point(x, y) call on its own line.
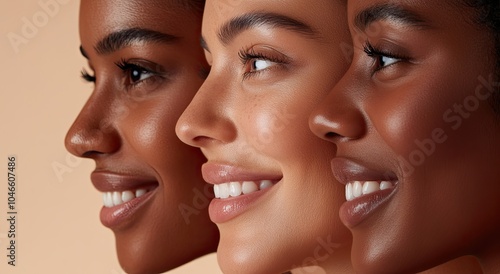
point(58, 228)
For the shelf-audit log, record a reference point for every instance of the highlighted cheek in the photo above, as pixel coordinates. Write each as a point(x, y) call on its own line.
point(147, 133)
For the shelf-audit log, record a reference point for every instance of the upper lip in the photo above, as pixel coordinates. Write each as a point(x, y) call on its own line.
point(346, 170)
point(106, 181)
point(215, 173)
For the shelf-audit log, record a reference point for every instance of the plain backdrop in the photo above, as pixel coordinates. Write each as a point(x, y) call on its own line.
point(58, 228)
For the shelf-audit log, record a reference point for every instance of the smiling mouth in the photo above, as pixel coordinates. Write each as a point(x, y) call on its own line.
point(236, 189)
point(115, 198)
point(356, 189)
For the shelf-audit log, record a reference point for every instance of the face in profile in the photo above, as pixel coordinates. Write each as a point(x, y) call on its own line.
point(276, 206)
point(416, 137)
point(146, 65)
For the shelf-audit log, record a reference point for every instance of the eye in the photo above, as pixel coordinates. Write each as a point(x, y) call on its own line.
point(135, 73)
point(386, 61)
point(383, 59)
point(260, 59)
point(261, 64)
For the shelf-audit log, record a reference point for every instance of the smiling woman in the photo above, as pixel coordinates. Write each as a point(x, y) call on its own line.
point(415, 123)
point(146, 66)
point(276, 207)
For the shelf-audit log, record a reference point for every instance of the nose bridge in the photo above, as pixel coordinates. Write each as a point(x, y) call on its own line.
point(338, 116)
point(93, 130)
point(208, 116)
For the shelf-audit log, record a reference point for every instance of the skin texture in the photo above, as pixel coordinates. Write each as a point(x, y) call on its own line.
point(258, 121)
point(127, 128)
point(430, 89)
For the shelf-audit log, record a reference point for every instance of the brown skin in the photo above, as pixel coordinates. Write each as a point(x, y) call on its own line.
point(448, 205)
point(232, 112)
point(127, 128)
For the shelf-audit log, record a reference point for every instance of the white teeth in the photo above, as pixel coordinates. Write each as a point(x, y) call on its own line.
point(358, 188)
point(235, 189)
point(224, 191)
point(348, 192)
point(249, 187)
point(107, 199)
point(370, 187)
point(265, 184)
point(127, 196)
point(385, 185)
point(140, 192)
point(115, 198)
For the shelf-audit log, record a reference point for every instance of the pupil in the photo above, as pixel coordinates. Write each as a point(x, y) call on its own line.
point(136, 75)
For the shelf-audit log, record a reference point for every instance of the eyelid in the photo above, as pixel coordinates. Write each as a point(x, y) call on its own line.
point(155, 72)
point(140, 64)
point(382, 51)
point(264, 53)
point(387, 49)
point(259, 52)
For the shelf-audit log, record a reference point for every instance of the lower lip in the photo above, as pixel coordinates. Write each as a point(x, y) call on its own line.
point(352, 213)
point(223, 210)
point(114, 217)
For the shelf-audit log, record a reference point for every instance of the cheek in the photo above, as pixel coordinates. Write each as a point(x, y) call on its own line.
point(152, 128)
point(149, 129)
point(274, 126)
point(276, 121)
point(418, 117)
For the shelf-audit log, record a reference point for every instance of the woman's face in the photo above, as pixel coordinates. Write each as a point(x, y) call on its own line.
point(270, 65)
point(146, 65)
point(412, 116)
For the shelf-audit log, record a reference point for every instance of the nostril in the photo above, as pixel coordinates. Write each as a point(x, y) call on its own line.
point(90, 154)
point(331, 135)
point(202, 141)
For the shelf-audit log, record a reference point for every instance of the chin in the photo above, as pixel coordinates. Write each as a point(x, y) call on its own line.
point(135, 257)
point(247, 255)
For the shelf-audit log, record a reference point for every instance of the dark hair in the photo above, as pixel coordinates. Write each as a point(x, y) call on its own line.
point(488, 15)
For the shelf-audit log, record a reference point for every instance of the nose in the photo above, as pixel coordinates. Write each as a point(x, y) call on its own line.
point(93, 133)
point(338, 117)
point(207, 120)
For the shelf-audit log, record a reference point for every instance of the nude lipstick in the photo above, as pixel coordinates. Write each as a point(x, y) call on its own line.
point(123, 195)
point(366, 189)
point(236, 189)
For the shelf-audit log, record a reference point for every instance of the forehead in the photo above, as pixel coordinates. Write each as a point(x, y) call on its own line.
point(323, 15)
point(100, 17)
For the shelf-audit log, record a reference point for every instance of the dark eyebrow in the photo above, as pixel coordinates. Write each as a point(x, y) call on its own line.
point(388, 11)
point(126, 37)
point(246, 21)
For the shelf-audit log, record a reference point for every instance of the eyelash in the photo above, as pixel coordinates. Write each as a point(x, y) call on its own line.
point(87, 77)
point(376, 53)
point(128, 67)
point(247, 55)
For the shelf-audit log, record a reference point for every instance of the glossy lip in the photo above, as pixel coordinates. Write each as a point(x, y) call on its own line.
point(223, 210)
point(356, 211)
point(114, 217)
